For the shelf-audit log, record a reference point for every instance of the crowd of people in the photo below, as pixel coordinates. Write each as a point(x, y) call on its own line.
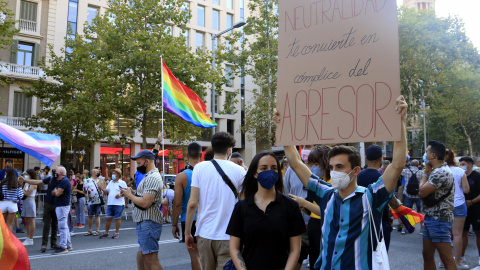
point(320, 206)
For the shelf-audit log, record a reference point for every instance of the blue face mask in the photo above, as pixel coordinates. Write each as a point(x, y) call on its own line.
point(267, 179)
point(425, 158)
point(114, 177)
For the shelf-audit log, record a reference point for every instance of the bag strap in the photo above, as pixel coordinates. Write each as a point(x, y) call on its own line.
point(98, 191)
point(225, 177)
point(372, 225)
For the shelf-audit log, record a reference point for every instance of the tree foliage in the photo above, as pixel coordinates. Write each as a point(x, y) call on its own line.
point(114, 69)
point(7, 30)
point(260, 57)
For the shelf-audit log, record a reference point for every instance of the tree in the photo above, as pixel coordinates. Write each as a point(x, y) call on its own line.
point(7, 30)
point(71, 105)
point(260, 57)
point(130, 39)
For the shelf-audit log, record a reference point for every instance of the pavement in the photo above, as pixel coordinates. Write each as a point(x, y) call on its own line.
point(90, 252)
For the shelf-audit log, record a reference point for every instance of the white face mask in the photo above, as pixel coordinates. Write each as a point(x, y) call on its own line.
point(464, 168)
point(340, 180)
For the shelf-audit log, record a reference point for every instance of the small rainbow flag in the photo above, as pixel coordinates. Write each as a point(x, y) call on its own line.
point(44, 147)
point(13, 255)
point(408, 217)
point(183, 102)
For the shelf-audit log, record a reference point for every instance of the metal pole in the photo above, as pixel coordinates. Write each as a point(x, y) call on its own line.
point(163, 141)
point(424, 123)
point(214, 38)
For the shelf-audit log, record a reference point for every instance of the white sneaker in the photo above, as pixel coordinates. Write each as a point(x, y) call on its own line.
point(306, 260)
point(462, 265)
point(478, 260)
point(440, 265)
point(28, 242)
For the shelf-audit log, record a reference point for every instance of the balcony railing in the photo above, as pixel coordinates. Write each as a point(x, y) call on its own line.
point(14, 70)
point(15, 122)
point(28, 25)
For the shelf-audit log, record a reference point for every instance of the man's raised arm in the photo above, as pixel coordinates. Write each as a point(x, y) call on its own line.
point(393, 171)
point(293, 157)
point(31, 181)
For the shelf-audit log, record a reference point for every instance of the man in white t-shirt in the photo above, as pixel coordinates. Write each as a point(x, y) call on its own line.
point(115, 203)
point(215, 201)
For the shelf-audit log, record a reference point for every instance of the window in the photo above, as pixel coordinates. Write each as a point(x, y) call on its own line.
point(72, 15)
point(229, 20)
point(217, 103)
point(231, 126)
point(185, 34)
point(216, 2)
point(229, 105)
point(92, 12)
point(215, 20)
point(28, 16)
point(186, 8)
point(199, 41)
point(25, 54)
point(22, 105)
point(201, 16)
point(230, 4)
point(229, 75)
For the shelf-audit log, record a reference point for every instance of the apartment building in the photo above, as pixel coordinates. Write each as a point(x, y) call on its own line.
point(420, 4)
point(44, 22)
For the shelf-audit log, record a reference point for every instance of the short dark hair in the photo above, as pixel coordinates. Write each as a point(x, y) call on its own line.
point(9, 160)
point(47, 168)
point(194, 150)
point(438, 148)
point(36, 168)
point(467, 159)
point(208, 154)
point(352, 152)
point(320, 155)
point(221, 141)
point(236, 155)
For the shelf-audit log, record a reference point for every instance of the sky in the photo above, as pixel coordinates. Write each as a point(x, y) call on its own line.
point(465, 9)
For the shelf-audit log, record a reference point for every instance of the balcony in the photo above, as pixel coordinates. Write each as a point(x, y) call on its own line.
point(15, 122)
point(27, 25)
point(20, 71)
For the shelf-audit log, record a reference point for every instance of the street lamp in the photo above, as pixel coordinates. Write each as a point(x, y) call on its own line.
point(214, 39)
point(424, 115)
point(122, 141)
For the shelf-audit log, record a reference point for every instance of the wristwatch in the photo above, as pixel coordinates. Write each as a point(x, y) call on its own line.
point(159, 143)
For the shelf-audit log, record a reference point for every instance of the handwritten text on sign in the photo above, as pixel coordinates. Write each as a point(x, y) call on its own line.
point(339, 71)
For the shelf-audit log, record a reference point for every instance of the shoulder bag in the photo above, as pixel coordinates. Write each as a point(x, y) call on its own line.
point(430, 200)
point(379, 255)
point(225, 177)
point(100, 195)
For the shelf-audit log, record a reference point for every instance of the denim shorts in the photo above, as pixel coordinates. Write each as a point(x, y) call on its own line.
point(115, 211)
point(436, 230)
point(460, 211)
point(148, 233)
point(94, 210)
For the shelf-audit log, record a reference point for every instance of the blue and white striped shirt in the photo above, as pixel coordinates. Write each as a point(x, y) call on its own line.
point(13, 195)
point(345, 242)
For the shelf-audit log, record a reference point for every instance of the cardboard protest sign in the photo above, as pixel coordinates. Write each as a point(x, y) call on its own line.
point(338, 71)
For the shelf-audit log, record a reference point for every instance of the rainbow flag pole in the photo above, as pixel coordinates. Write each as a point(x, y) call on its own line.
point(163, 143)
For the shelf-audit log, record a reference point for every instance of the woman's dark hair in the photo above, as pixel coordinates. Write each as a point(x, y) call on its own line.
point(250, 186)
point(31, 173)
point(10, 178)
point(450, 158)
point(320, 155)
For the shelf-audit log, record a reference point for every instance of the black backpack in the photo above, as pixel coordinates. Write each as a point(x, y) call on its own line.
point(413, 184)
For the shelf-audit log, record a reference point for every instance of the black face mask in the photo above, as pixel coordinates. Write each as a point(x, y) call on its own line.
point(55, 174)
point(98, 174)
point(142, 169)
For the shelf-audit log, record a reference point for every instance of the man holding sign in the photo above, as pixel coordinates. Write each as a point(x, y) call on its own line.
point(344, 206)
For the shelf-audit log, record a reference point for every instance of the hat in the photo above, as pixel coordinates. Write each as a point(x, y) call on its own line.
point(374, 152)
point(408, 158)
point(118, 171)
point(145, 154)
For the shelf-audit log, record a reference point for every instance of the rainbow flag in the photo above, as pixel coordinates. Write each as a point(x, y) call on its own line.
point(183, 102)
point(408, 217)
point(44, 147)
point(13, 255)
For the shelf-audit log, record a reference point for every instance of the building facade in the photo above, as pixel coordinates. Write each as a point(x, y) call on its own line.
point(420, 4)
point(45, 22)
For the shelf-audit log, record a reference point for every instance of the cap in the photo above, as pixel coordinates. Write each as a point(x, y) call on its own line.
point(374, 152)
point(145, 154)
point(408, 158)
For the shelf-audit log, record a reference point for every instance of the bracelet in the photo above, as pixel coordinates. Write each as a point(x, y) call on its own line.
point(426, 175)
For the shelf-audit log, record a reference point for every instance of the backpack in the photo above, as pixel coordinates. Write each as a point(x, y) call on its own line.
point(413, 184)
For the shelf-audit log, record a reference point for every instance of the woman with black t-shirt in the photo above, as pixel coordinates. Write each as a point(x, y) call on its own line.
point(265, 228)
point(80, 204)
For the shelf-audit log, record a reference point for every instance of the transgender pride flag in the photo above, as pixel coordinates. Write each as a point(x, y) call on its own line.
point(44, 147)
